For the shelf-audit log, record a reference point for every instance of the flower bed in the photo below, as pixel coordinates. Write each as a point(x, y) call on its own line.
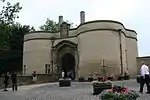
point(90, 79)
point(99, 79)
point(110, 78)
point(98, 87)
point(127, 77)
point(121, 78)
point(119, 93)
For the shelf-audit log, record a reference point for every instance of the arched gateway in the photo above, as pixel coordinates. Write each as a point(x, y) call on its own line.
point(66, 58)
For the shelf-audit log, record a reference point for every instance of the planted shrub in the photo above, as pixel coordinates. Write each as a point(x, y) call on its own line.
point(81, 79)
point(64, 82)
point(119, 93)
point(121, 78)
point(98, 87)
point(90, 79)
point(110, 78)
point(99, 78)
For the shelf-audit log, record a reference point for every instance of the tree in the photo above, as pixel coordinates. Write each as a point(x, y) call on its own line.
point(15, 54)
point(8, 14)
point(51, 26)
point(11, 37)
point(11, 59)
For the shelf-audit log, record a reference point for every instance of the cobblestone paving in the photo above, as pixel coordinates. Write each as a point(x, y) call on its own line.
point(51, 91)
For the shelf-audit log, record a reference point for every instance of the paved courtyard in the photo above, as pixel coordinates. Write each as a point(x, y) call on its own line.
point(51, 91)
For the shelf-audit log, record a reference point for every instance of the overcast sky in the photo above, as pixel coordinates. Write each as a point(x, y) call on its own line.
point(134, 14)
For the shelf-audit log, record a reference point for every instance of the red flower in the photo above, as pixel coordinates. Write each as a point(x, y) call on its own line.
point(115, 90)
point(126, 90)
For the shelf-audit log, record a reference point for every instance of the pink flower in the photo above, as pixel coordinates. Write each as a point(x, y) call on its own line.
point(110, 90)
point(115, 91)
point(125, 90)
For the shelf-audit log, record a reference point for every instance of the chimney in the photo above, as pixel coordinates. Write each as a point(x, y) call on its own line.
point(82, 17)
point(60, 20)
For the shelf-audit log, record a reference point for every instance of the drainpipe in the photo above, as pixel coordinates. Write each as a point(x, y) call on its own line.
point(126, 60)
point(120, 45)
point(52, 53)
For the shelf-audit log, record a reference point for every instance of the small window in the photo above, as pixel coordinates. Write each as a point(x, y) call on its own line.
point(49, 66)
point(47, 69)
point(46, 66)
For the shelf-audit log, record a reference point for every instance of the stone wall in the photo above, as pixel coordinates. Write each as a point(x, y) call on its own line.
point(22, 80)
point(47, 77)
point(26, 80)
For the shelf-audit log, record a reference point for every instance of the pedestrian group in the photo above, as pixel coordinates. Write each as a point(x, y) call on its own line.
point(14, 80)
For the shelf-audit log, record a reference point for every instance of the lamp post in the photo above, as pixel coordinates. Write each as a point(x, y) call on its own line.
point(52, 52)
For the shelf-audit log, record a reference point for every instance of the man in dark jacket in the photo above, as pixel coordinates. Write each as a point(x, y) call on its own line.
point(14, 81)
point(6, 78)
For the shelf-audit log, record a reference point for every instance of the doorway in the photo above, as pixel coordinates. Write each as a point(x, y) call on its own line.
point(68, 65)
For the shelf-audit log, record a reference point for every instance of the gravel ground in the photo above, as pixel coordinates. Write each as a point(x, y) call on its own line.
point(51, 91)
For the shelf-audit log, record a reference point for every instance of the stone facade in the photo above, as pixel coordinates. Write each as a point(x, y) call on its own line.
point(90, 44)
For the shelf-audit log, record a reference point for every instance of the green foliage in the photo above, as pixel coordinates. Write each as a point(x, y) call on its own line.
point(50, 26)
point(9, 12)
point(102, 84)
point(11, 37)
point(4, 37)
point(16, 36)
point(11, 58)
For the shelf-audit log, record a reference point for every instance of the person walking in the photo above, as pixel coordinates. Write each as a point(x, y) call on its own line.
point(6, 78)
point(144, 78)
point(63, 74)
point(14, 81)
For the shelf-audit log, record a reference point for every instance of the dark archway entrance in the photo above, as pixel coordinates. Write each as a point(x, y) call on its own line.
point(66, 58)
point(68, 65)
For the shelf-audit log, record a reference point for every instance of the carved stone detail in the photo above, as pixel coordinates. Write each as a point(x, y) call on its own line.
point(64, 29)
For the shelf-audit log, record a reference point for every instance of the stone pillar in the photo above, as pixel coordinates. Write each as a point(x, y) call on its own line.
point(60, 20)
point(82, 17)
point(24, 70)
